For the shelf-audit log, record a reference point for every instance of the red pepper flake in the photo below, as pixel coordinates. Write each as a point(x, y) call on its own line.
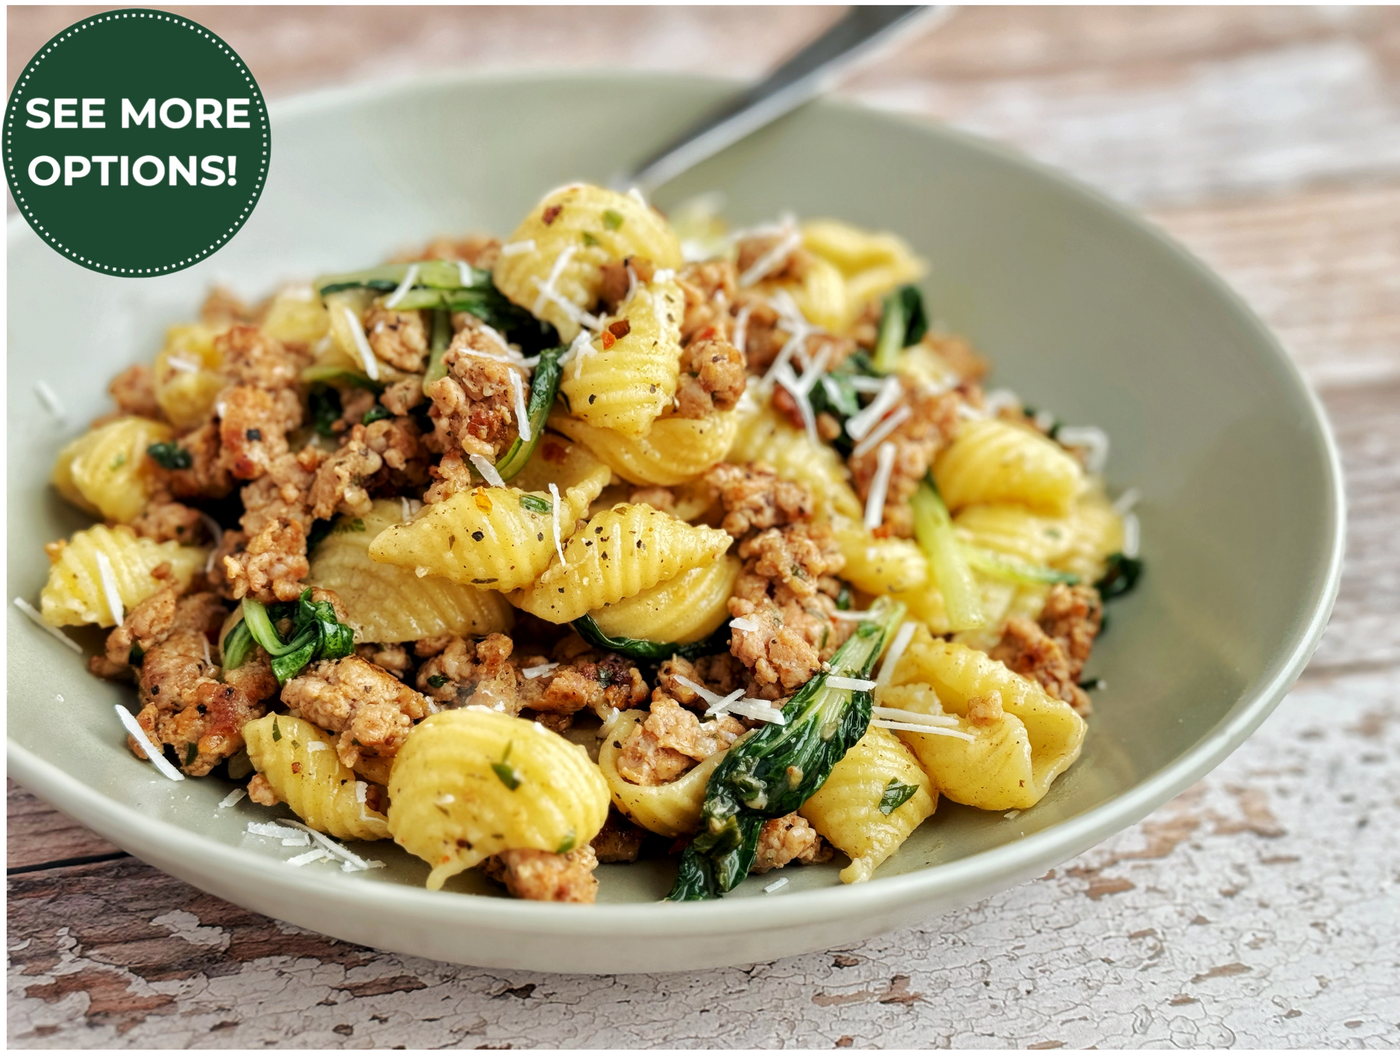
point(608, 340)
point(551, 213)
point(620, 328)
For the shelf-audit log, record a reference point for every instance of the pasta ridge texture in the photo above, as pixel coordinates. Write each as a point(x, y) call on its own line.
point(74, 594)
point(674, 450)
point(671, 809)
point(105, 471)
point(993, 461)
point(686, 608)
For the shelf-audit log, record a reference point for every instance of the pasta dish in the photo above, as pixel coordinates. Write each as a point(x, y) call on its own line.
point(627, 536)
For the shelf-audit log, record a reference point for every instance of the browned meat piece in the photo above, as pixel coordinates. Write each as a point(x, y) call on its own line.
point(933, 422)
point(709, 294)
point(397, 443)
point(463, 673)
point(390, 656)
point(712, 379)
point(370, 708)
point(787, 839)
point(184, 705)
point(353, 406)
point(585, 678)
point(260, 791)
point(251, 357)
point(281, 493)
point(657, 496)
point(754, 497)
point(166, 520)
point(402, 397)
point(762, 338)
point(620, 840)
point(474, 404)
point(222, 307)
point(720, 673)
point(271, 564)
point(985, 710)
point(792, 267)
point(1053, 651)
point(134, 391)
point(670, 741)
point(144, 627)
point(451, 475)
point(537, 875)
point(253, 428)
point(617, 283)
point(207, 476)
point(398, 337)
point(959, 354)
point(342, 479)
point(787, 591)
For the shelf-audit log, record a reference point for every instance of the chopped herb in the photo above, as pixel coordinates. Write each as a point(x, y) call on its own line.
point(276, 731)
point(135, 655)
point(170, 455)
point(119, 462)
point(253, 434)
point(570, 841)
point(375, 414)
point(1120, 577)
point(1031, 412)
point(536, 505)
point(324, 402)
point(589, 241)
point(191, 753)
point(843, 597)
point(343, 525)
point(437, 681)
point(506, 772)
point(314, 634)
point(896, 794)
point(612, 219)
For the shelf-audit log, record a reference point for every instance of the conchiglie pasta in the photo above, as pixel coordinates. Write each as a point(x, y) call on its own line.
point(625, 383)
point(820, 295)
point(872, 264)
point(390, 603)
point(686, 608)
point(619, 553)
point(300, 764)
point(496, 538)
point(992, 461)
point(470, 783)
point(74, 594)
point(105, 471)
point(296, 317)
point(566, 241)
point(1078, 542)
point(187, 376)
point(673, 451)
point(1012, 760)
point(765, 436)
point(671, 809)
point(846, 809)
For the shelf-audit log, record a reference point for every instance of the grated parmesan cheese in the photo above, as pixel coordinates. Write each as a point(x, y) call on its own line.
point(772, 259)
point(776, 885)
point(485, 468)
point(739, 623)
point(232, 798)
point(409, 278)
point(759, 709)
point(914, 727)
point(1091, 438)
point(636, 194)
point(538, 669)
point(464, 274)
point(181, 365)
point(879, 487)
point(851, 614)
point(864, 421)
point(50, 400)
point(884, 430)
point(554, 519)
point(895, 653)
point(356, 863)
point(837, 681)
point(153, 752)
point(789, 382)
point(741, 327)
point(109, 587)
point(518, 247)
point(896, 714)
point(306, 858)
point(317, 745)
point(609, 722)
point(33, 613)
point(995, 400)
point(522, 417)
point(1132, 535)
point(362, 347)
point(866, 384)
point(1127, 501)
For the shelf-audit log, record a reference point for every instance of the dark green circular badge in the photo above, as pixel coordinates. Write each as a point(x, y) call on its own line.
point(136, 143)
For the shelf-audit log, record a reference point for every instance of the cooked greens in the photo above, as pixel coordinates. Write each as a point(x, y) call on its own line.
point(543, 388)
point(903, 322)
point(773, 771)
point(1120, 576)
point(997, 567)
point(641, 649)
point(947, 560)
point(170, 455)
point(315, 634)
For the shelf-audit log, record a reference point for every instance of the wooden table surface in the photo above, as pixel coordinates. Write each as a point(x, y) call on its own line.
point(1260, 908)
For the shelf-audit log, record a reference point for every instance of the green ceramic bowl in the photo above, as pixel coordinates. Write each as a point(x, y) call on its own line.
point(1083, 307)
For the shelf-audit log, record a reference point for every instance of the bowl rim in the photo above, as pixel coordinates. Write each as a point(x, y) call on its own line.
point(975, 875)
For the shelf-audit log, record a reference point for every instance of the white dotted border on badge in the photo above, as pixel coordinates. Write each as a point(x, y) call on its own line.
point(160, 16)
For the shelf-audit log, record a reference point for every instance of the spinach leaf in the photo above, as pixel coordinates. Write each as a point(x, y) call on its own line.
point(1120, 577)
point(641, 649)
point(903, 322)
point(170, 455)
point(315, 634)
point(896, 794)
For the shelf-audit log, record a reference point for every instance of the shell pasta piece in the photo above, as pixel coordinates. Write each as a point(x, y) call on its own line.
point(105, 471)
point(871, 802)
point(619, 553)
point(1023, 738)
point(567, 239)
point(470, 783)
point(686, 608)
point(765, 436)
point(624, 381)
point(871, 264)
point(299, 762)
point(992, 461)
point(673, 451)
point(75, 593)
point(187, 376)
point(390, 603)
point(671, 809)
